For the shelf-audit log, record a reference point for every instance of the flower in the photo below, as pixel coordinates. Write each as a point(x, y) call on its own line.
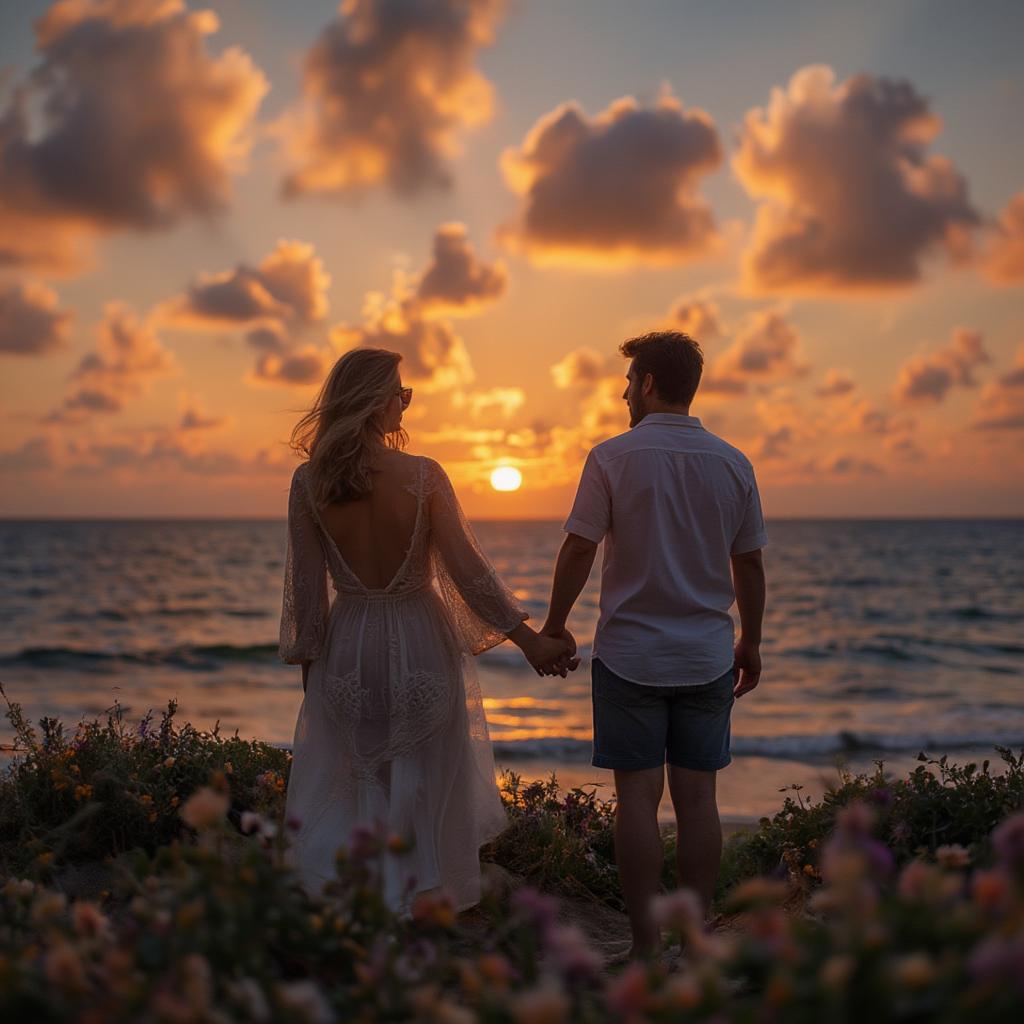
point(197, 981)
point(916, 970)
point(571, 953)
point(539, 909)
point(680, 910)
point(545, 1004)
point(433, 908)
point(248, 994)
point(47, 906)
point(204, 808)
point(169, 762)
point(628, 993)
point(89, 921)
point(1008, 841)
point(305, 997)
point(63, 967)
point(954, 856)
point(990, 889)
point(253, 822)
point(836, 971)
point(856, 819)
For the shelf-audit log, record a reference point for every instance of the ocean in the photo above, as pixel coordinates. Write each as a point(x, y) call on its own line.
point(881, 639)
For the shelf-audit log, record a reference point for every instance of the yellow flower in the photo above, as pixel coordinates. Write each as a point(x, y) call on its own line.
point(45, 858)
point(175, 800)
point(152, 816)
point(204, 808)
point(169, 762)
point(545, 1004)
point(145, 798)
point(229, 767)
point(915, 970)
point(64, 968)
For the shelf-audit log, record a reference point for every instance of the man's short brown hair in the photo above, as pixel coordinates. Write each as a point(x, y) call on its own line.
point(672, 358)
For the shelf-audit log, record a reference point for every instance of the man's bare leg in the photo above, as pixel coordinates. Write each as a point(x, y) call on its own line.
point(639, 852)
point(698, 831)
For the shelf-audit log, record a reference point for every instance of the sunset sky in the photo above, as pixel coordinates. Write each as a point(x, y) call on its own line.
point(203, 205)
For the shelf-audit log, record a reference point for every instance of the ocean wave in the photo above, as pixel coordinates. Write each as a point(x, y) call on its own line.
point(795, 746)
point(195, 658)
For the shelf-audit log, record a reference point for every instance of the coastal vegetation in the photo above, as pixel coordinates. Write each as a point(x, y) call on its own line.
point(143, 876)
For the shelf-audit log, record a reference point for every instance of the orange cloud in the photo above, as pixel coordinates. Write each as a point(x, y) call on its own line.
point(433, 355)
point(615, 190)
point(583, 368)
point(386, 90)
point(128, 355)
point(290, 283)
point(766, 348)
point(31, 324)
point(126, 122)
point(837, 383)
point(851, 200)
point(1004, 258)
point(503, 402)
point(1001, 405)
point(929, 378)
point(193, 419)
point(455, 281)
point(699, 318)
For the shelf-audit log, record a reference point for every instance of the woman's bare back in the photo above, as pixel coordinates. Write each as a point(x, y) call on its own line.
point(373, 534)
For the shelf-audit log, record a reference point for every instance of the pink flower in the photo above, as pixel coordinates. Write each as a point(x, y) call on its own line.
point(546, 1004)
point(63, 967)
point(89, 920)
point(571, 953)
point(856, 819)
point(680, 910)
point(1008, 840)
point(627, 994)
point(954, 857)
point(536, 907)
point(305, 998)
point(204, 808)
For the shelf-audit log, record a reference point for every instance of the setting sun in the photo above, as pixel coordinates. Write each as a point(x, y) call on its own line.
point(506, 478)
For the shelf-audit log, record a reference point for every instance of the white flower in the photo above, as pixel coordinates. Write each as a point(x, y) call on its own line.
point(304, 997)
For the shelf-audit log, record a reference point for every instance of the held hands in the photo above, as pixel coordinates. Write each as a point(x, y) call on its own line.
point(552, 653)
point(747, 666)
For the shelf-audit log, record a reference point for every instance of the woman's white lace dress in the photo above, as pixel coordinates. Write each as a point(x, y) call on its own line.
point(391, 730)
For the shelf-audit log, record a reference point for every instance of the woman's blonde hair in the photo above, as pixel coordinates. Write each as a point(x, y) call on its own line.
point(337, 433)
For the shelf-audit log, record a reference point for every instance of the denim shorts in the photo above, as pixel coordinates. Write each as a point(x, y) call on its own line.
point(637, 727)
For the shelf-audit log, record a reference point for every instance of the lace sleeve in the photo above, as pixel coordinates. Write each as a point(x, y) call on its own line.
point(483, 608)
point(305, 603)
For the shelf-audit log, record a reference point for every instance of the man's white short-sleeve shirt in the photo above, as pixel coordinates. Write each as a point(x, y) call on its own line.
point(672, 502)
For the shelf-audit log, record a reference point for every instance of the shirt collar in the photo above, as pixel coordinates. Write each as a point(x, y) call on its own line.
point(674, 419)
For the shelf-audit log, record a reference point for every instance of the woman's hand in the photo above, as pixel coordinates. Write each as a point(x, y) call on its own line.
point(549, 656)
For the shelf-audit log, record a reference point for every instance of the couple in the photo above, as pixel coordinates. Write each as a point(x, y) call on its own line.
point(392, 728)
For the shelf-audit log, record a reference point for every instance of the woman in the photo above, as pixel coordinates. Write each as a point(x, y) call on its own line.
point(391, 732)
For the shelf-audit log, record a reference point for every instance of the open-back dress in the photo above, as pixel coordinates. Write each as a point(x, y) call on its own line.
point(391, 732)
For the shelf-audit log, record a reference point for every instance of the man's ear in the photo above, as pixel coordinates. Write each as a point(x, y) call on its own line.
point(648, 385)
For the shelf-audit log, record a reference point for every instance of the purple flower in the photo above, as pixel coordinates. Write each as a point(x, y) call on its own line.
point(538, 908)
point(1008, 840)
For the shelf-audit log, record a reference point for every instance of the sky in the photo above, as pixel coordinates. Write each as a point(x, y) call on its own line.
point(203, 206)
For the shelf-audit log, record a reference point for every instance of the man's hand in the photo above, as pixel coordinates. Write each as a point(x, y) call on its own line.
point(746, 667)
point(549, 656)
point(568, 662)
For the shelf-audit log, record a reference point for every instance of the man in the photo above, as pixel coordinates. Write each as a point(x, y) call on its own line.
point(680, 516)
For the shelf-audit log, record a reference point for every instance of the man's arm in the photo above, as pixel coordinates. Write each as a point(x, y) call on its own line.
point(575, 560)
point(748, 581)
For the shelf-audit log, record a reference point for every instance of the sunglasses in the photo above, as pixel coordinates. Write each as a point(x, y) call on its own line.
point(406, 394)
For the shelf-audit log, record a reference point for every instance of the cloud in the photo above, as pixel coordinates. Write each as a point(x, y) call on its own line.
point(851, 200)
point(387, 89)
point(292, 367)
point(699, 318)
point(766, 348)
point(583, 368)
point(433, 355)
point(1004, 258)
point(31, 324)
point(929, 378)
point(127, 356)
point(1001, 405)
point(125, 122)
point(840, 464)
point(194, 419)
point(503, 402)
point(618, 189)
point(455, 281)
point(37, 454)
point(290, 283)
point(837, 383)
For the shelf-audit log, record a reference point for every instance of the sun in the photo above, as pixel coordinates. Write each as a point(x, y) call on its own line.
point(506, 478)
